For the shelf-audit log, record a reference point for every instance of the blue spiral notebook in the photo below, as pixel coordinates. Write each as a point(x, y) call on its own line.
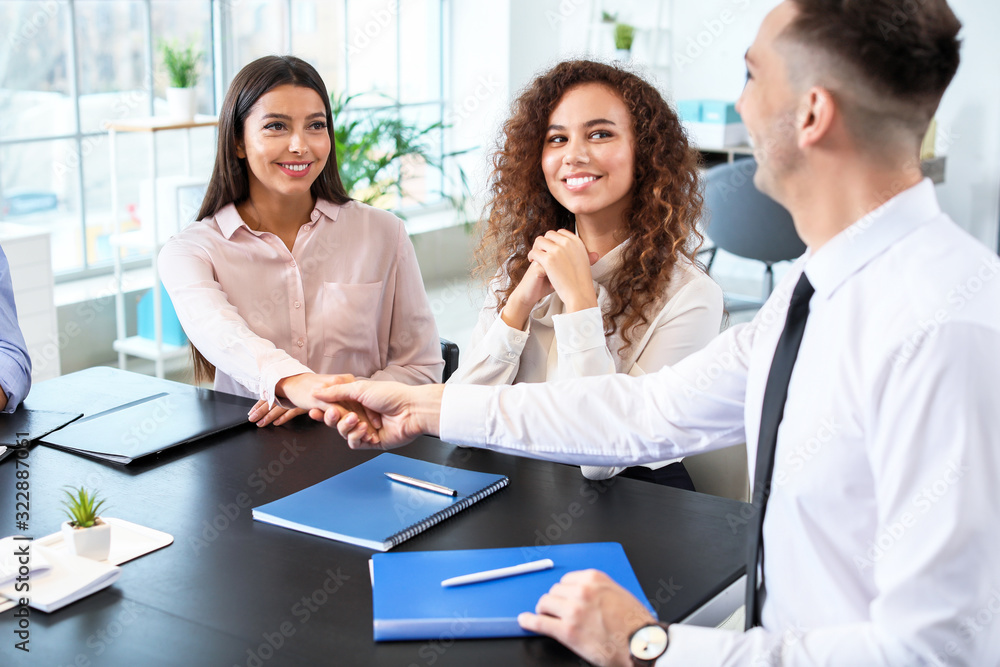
point(408, 601)
point(382, 513)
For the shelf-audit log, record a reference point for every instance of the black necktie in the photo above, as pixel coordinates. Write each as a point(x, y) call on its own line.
point(775, 393)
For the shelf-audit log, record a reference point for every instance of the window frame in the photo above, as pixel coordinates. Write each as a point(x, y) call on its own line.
point(221, 31)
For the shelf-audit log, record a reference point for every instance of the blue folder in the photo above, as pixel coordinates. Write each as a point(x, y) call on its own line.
point(408, 601)
point(362, 506)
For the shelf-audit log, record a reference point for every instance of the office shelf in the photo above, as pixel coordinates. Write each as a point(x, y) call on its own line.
point(135, 346)
point(144, 348)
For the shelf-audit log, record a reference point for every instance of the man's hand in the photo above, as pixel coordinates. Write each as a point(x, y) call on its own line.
point(302, 389)
point(398, 413)
point(590, 614)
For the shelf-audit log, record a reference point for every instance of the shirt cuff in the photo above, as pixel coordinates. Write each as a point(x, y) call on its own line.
point(505, 343)
point(579, 331)
point(14, 381)
point(276, 372)
point(692, 645)
point(463, 413)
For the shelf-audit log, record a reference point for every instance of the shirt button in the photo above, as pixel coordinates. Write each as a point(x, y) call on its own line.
point(292, 264)
point(517, 339)
point(300, 342)
point(510, 355)
point(298, 305)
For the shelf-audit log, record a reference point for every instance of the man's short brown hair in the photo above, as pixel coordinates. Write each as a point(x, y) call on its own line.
point(893, 58)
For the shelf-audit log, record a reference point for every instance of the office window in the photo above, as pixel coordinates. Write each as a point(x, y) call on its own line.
point(69, 66)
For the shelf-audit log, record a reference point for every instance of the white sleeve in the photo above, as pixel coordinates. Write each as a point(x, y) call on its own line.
point(934, 451)
point(215, 327)
point(494, 354)
point(414, 349)
point(611, 420)
point(686, 323)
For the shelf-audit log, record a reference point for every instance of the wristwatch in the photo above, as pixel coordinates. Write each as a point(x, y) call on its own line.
point(648, 643)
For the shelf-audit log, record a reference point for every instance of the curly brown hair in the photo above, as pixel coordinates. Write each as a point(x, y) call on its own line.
point(661, 219)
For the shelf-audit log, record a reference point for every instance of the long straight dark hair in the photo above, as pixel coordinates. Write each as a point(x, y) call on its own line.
point(230, 183)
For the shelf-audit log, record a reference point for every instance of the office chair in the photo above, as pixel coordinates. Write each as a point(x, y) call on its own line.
point(449, 352)
point(742, 220)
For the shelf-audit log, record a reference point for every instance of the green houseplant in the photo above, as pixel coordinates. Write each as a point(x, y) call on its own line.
point(624, 35)
point(377, 151)
point(85, 533)
point(181, 63)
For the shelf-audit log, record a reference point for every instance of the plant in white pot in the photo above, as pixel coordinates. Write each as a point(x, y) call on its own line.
point(624, 35)
point(85, 533)
point(181, 63)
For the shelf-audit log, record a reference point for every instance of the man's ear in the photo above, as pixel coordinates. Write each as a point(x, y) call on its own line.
point(815, 115)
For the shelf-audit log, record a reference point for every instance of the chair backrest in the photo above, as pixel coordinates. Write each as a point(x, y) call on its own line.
point(742, 220)
point(721, 472)
point(449, 352)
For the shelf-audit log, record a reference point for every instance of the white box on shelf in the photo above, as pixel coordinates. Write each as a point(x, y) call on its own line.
point(716, 135)
point(178, 199)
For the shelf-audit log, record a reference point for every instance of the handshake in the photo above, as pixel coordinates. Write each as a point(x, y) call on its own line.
point(368, 414)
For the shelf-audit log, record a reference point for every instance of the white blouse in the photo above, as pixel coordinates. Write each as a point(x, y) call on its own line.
point(347, 298)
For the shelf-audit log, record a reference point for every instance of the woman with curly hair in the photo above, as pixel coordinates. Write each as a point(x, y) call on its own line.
point(591, 237)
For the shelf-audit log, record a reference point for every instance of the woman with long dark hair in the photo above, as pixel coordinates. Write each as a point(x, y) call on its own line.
point(284, 275)
point(590, 241)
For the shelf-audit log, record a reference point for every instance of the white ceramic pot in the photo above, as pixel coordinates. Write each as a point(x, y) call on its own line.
point(181, 103)
point(623, 55)
point(93, 543)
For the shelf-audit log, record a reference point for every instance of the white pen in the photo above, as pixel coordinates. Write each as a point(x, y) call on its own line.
point(421, 484)
point(500, 573)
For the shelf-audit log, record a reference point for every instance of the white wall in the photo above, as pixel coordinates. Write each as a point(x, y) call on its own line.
point(711, 36)
point(969, 124)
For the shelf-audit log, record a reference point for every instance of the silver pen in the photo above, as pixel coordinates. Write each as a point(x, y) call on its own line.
point(421, 484)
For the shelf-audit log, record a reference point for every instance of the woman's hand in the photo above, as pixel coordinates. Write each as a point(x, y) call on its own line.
point(262, 416)
point(559, 263)
point(566, 262)
point(534, 287)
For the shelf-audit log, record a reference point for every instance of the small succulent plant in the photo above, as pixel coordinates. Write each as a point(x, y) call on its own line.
point(82, 507)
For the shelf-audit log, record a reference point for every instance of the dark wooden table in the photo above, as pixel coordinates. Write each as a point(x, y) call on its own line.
point(231, 591)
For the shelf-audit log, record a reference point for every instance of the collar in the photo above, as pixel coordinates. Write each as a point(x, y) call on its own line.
point(228, 218)
point(602, 270)
point(853, 248)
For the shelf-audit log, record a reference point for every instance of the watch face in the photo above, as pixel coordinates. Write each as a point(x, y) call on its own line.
point(649, 642)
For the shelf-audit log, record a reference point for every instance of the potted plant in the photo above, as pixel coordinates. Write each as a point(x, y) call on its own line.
point(377, 150)
point(181, 63)
point(624, 34)
point(85, 533)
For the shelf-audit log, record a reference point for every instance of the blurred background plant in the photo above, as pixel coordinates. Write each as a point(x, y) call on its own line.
point(624, 34)
point(377, 152)
point(181, 62)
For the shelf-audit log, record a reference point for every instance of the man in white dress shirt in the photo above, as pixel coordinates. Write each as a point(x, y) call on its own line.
point(883, 510)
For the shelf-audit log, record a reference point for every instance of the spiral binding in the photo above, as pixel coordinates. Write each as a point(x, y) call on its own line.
point(449, 511)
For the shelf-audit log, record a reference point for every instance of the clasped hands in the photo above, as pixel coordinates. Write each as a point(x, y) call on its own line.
point(560, 263)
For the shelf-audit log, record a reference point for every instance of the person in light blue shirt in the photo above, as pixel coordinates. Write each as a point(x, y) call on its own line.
point(15, 365)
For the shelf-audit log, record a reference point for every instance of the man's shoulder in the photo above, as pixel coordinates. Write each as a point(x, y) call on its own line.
point(938, 277)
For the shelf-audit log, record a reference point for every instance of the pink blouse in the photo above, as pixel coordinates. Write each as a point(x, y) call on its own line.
point(348, 298)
